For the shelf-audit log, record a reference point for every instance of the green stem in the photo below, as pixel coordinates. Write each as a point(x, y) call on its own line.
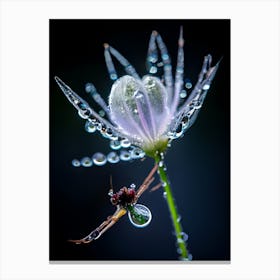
point(172, 207)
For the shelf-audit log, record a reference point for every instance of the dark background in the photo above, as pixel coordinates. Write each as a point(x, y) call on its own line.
point(198, 164)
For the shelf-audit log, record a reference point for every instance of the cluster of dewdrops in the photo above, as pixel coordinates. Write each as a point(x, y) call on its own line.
point(121, 148)
point(100, 159)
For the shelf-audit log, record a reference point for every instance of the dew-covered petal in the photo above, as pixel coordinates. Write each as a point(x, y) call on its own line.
point(86, 112)
point(158, 99)
point(90, 88)
point(123, 108)
point(188, 112)
point(168, 79)
point(130, 70)
point(179, 72)
point(139, 107)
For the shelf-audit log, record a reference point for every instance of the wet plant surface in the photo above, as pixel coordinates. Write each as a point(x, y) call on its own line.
point(198, 164)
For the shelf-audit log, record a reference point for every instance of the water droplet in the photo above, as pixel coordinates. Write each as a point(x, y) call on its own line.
point(81, 105)
point(125, 143)
point(99, 159)
point(184, 236)
point(93, 236)
point(125, 155)
point(109, 132)
point(74, 99)
point(114, 137)
point(176, 134)
point(93, 120)
point(196, 104)
point(165, 56)
point(129, 68)
point(103, 131)
point(101, 113)
point(179, 131)
point(84, 113)
point(112, 157)
point(185, 122)
point(153, 70)
point(153, 58)
point(132, 186)
point(100, 127)
point(180, 240)
point(137, 153)
point(164, 184)
point(110, 193)
point(138, 95)
point(190, 257)
point(183, 94)
point(90, 127)
point(171, 134)
point(179, 219)
point(190, 112)
point(160, 64)
point(89, 87)
point(164, 194)
point(179, 251)
point(160, 164)
point(76, 163)
point(188, 84)
point(115, 144)
point(139, 215)
point(113, 76)
point(206, 87)
point(86, 162)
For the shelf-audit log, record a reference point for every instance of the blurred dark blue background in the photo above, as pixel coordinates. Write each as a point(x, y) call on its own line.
point(198, 164)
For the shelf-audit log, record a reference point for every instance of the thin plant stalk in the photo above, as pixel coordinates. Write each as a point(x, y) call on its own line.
point(181, 244)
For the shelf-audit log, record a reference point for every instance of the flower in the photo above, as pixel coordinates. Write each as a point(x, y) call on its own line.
point(145, 113)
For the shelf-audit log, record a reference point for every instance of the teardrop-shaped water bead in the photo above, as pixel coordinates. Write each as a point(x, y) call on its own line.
point(139, 215)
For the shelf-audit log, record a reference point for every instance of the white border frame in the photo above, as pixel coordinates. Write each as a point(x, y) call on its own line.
point(254, 128)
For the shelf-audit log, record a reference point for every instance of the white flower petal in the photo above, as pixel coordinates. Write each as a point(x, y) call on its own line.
point(158, 99)
point(139, 107)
